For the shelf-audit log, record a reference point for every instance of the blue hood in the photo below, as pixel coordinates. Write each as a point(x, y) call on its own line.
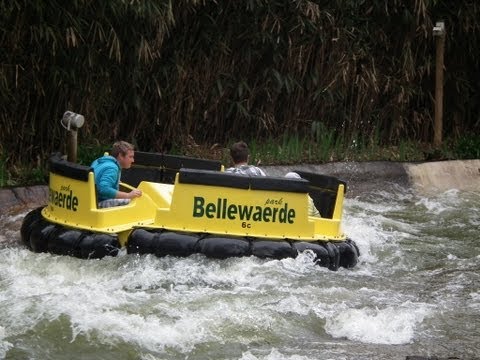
point(107, 176)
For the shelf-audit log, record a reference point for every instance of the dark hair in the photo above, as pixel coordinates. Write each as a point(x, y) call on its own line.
point(121, 147)
point(239, 152)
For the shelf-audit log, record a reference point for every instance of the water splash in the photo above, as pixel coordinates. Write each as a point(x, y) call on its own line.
point(413, 287)
point(4, 345)
point(391, 325)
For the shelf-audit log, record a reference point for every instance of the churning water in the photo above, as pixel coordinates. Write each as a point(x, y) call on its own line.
point(415, 291)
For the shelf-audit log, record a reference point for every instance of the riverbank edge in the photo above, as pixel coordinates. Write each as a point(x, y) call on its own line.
point(424, 177)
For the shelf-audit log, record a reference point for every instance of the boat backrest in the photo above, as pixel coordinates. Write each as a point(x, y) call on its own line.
point(79, 173)
point(162, 168)
point(60, 166)
point(323, 190)
point(223, 179)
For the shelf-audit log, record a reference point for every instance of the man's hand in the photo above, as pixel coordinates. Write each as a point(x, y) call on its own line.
point(134, 193)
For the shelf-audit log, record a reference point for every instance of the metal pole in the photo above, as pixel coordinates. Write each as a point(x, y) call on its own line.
point(72, 122)
point(439, 33)
point(72, 145)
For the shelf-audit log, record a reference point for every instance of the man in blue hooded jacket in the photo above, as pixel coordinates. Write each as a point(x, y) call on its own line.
point(107, 170)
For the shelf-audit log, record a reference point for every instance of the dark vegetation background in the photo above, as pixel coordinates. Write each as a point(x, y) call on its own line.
point(165, 74)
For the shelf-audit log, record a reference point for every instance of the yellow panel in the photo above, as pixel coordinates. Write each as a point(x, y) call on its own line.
point(337, 212)
point(194, 208)
point(243, 212)
point(73, 203)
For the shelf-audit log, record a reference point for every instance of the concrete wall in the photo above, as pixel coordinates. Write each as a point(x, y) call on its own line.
point(444, 175)
point(31, 196)
point(428, 177)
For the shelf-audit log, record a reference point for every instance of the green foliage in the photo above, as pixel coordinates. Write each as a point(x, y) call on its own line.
point(325, 142)
point(286, 150)
point(87, 153)
point(160, 72)
point(294, 149)
point(32, 176)
point(22, 175)
point(3, 174)
point(468, 147)
point(407, 151)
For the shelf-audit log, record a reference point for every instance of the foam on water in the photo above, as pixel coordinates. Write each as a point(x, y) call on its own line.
point(474, 302)
point(268, 309)
point(4, 345)
point(273, 355)
point(391, 325)
point(155, 303)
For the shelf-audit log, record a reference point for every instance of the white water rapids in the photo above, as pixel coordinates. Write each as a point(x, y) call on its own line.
point(415, 291)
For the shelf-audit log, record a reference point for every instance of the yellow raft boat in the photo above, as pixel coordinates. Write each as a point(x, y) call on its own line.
point(191, 206)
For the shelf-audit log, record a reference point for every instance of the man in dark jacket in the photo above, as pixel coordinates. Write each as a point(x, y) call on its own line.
point(240, 156)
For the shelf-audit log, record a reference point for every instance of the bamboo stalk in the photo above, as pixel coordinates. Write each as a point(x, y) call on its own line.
point(439, 32)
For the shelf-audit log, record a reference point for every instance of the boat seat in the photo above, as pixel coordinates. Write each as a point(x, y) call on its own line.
point(60, 166)
point(323, 190)
point(279, 184)
point(162, 168)
point(216, 178)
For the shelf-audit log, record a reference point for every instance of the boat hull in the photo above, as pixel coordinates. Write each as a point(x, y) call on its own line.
point(330, 254)
point(41, 235)
point(191, 206)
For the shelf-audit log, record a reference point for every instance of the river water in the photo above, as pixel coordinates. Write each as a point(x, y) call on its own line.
point(415, 291)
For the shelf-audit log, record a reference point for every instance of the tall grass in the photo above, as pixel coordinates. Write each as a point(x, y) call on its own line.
point(286, 150)
point(158, 73)
point(468, 147)
point(3, 174)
